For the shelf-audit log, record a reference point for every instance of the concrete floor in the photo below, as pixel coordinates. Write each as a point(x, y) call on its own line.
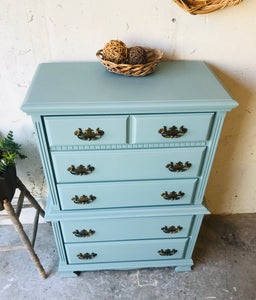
point(225, 268)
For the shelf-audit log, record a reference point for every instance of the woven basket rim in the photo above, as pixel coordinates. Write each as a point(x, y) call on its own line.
point(195, 7)
point(158, 54)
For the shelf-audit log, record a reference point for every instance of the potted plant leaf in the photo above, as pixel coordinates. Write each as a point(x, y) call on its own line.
point(9, 151)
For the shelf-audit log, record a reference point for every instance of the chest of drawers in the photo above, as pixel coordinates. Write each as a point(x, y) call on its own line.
point(126, 161)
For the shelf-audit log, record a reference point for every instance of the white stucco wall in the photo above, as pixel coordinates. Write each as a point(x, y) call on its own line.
point(35, 31)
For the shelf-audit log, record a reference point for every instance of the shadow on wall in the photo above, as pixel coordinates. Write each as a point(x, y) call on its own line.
point(226, 178)
point(30, 171)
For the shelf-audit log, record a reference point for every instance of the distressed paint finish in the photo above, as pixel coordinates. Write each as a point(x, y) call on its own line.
point(63, 97)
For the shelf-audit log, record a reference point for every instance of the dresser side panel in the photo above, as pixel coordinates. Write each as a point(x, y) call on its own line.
point(45, 158)
point(59, 242)
point(193, 235)
point(209, 157)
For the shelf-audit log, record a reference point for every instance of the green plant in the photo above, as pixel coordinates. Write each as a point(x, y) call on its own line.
point(9, 151)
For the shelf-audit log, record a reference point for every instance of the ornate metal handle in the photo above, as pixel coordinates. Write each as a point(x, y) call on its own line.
point(171, 229)
point(81, 170)
point(86, 255)
point(84, 233)
point(89, 134)
point(167, 252)
point(172, 195)
point(83, 199)
point(179, 166)
point(172, 132)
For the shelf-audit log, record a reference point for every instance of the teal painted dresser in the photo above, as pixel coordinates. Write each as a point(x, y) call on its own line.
point(126, 160)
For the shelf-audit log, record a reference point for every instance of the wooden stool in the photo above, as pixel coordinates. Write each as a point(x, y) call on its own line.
point(14, 216)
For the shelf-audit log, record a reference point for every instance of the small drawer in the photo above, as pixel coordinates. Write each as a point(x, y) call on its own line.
point(98, 252)
point(168, 128)
point(126, 194)
point(126, 229)
point(65, 130)
point(120, 165)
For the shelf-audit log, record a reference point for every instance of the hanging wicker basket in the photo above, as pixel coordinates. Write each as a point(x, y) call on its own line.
point(153, 58)
point(195, 7)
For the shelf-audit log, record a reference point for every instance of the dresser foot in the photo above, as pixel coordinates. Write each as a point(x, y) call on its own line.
point(69, 274)
point(182, 269)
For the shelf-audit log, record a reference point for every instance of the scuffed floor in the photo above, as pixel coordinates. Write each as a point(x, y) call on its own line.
point(225, 268)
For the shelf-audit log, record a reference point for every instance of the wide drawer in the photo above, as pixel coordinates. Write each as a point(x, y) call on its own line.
point(64, 130)
point(106, 165)
point(126, 194)
point(168, 128)
point(126, 229)
point(125, 251)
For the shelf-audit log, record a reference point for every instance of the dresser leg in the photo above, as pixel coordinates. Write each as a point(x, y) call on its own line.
point(182, 269)
point(68, 274)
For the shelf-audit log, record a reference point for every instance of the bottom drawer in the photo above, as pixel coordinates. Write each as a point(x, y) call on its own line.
point(125, 251)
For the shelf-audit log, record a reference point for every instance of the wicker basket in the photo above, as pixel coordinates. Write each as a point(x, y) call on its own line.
point(195, 7)
point(153, 58)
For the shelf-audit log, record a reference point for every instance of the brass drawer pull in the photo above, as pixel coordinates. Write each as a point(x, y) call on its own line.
point(86, 255)
point(81, 170)
point(172, 132)
point(167, 252)
point(178, 167)
point(171, 229)
point(84, 233)
point(172, 195)
point(83, 199)
point(89, 134)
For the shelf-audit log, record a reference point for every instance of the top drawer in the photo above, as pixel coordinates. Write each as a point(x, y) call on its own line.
point(167, 128)
point(65, 130)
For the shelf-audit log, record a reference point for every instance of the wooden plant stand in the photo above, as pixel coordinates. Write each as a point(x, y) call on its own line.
point(14, 216)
